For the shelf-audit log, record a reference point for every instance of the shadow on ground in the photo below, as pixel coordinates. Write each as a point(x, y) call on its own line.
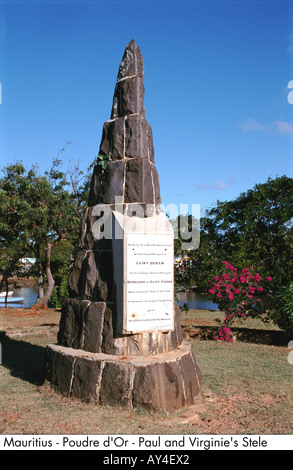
point(247, 335)
point(24, 360)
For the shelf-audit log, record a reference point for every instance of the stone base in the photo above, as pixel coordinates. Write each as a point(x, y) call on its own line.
point(90, 326)
point(161, 383)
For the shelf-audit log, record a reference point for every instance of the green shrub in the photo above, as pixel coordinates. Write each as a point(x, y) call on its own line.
point(282, 311)
point(60, 292)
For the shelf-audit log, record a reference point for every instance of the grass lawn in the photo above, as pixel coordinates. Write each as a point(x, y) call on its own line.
point(246, 385)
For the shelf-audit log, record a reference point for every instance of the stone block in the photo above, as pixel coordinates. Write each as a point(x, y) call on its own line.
point(138, 138)
point(112, 182)
point(191, 381)
point(105, 282)
point(112, 142)
point(91, 277)
point(159, 386)
point(162, 383)
point(108, 346)
point(59, 369)
point(116, 384)
point(85, 379)
point(147, 344)
point(146, 386)
point(128, 97)
point(83, 326)
point(86, 238)
point(71, 323)
point(94, 194)
point(138, 182)
point(76, 278)
point(132, 62)
point(93, 327)
point(175, 337)
point(156, 183)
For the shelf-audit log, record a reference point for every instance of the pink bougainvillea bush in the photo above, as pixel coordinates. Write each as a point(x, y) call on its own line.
point(239, 294)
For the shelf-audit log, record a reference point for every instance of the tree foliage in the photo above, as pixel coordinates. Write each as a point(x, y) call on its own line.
point(253, 230)
point(37, 212)
point(281, 309)
point(256, 228)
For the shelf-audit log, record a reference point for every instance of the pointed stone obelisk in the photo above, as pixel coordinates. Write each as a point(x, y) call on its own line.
point(120, 339)
point(128, 142)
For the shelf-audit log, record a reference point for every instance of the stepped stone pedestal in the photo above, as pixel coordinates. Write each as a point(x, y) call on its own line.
point(120, 339)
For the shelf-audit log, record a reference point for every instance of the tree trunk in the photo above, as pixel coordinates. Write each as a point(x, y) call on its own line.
point(40, 274)
point(6, 293)
point(43, 301)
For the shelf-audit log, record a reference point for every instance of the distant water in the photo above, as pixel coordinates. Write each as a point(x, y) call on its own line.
point(196, 301)
point(193, 300)
point(30, 295)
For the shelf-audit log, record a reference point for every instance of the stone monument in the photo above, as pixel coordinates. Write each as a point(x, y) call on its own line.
point(120, 339)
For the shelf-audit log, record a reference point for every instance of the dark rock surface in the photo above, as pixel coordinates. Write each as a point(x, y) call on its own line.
point(93, 360)
point(127, 135)
point(163, 383)
point(89, 326)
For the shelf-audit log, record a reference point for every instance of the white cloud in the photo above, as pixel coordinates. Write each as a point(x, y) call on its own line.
point(232, 180)
point(251, 125)
point(220, 185)
point(290, 47)
point(283, 127)
point(277, 127)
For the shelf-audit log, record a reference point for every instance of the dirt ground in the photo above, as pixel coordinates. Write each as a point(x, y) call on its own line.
point(234, 408)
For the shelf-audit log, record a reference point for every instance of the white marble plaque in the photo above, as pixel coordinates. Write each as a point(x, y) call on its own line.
point(148, 282)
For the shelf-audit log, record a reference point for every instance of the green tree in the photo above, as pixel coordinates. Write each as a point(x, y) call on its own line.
point(61, 263)
point(186, 233)
point(13, 236)
point(38, 212)
point(256, 229)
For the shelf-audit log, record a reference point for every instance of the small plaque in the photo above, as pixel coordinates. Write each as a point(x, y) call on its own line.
point(148, 282)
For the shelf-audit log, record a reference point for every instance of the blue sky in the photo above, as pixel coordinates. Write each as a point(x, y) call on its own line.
point(216, 87)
